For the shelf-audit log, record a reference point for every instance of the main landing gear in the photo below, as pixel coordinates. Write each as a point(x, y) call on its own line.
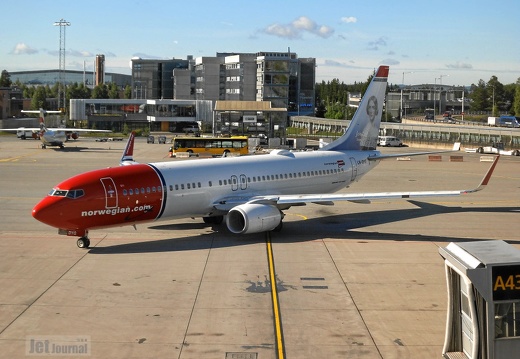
point(213, 219)
point(83, 242)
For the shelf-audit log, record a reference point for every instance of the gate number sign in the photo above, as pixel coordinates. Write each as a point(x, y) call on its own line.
point(506, 282)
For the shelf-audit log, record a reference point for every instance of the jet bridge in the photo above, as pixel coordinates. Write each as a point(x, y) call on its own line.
point(483, 317)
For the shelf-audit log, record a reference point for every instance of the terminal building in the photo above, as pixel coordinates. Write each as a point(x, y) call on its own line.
point(168, 93)
point(280, 77)
point(417, 98)
point(50, 77)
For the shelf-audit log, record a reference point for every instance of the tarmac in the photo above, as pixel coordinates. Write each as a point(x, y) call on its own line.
point(350, 280)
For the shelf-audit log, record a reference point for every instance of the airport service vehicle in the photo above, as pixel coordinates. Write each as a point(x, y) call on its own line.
point(23, 134)
point(504, 121)
point(250, 192)
point(496, 148)
point(52, 136)
point(390, 141)
point(214, 146)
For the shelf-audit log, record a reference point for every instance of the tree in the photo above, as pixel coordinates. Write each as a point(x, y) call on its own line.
point(496, 94)
point(39, 99)
point(479, 97)
point(5, 79)
point(100, 91)
point(128, 92)
point(113, 91)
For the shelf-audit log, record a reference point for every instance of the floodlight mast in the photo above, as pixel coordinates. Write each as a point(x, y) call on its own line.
point(61, 85)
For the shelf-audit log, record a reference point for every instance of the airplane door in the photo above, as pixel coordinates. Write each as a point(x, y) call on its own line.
point(353, 164)
point(234, 183)
point(110, 192)
point(243, 182)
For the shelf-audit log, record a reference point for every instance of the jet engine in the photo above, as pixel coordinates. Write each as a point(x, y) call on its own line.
point(253, 218)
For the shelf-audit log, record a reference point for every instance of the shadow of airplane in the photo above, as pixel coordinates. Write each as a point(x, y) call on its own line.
point(342, 226)
point(82, 149)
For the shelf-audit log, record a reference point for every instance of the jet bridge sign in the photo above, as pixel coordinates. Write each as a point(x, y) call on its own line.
point(506, 282)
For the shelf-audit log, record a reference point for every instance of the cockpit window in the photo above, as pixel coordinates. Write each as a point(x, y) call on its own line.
point(69, 194)
point(58, 193)
point(75, 193)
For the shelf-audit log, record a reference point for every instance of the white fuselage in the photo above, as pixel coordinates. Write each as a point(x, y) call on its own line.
point(194, 187)
point(53, 138)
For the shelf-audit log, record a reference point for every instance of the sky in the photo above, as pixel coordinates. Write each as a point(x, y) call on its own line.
point(449, 42)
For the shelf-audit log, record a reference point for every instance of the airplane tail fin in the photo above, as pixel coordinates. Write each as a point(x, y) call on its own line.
point(42, 113)
point(43, 128)
point(363, 130)
point(128, 153)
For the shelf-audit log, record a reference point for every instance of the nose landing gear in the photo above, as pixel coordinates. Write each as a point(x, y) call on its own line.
point(83, 242)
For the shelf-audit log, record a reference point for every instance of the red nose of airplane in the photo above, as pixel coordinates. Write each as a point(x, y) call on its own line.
point(45, 213)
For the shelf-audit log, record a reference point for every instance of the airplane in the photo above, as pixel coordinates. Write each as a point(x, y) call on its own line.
point(50, 136)
point(250, 192)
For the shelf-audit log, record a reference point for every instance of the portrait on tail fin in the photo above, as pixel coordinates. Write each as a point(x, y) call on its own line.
point(363, 130)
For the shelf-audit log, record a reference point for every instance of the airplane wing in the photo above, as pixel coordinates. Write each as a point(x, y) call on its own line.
point(20, 129)
point(128, 153)
point(67, 129)
point(286, 201)
point(456, 147)
point(64, 129)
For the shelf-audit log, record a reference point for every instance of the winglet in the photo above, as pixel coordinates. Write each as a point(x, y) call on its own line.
point(128, 153)
point(486, 178)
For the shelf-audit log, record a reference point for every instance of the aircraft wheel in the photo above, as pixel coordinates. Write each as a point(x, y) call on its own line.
point(83, 242)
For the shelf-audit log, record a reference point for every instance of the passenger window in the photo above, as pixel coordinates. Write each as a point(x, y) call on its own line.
point(125, 192)
point(131, 191)
point(136, 191)
point(182, 185)
point(210, 184)
point(188, 185)
point(153, 189)
point(176, 187)
point(171, 188)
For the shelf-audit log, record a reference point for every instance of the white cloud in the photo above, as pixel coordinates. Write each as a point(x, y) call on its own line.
point(459, 65)
point(23, 49)
point(79, 53)
point(374, 45)
point(348, 19)
point(389, 62)
point(295, 29)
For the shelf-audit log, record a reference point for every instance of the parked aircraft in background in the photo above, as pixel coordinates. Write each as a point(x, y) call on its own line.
point(249, 191)
point(49, 136)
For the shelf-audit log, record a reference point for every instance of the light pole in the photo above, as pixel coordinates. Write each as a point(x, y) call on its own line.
point(434, 94)
point(61, 87)
point(402, 84)
point(440, 91)
point(493, 104)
